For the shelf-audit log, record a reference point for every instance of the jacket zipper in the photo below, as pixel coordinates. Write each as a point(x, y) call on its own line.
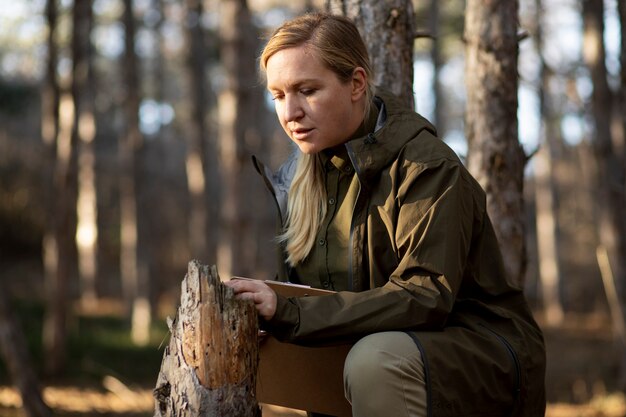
point(518, 375)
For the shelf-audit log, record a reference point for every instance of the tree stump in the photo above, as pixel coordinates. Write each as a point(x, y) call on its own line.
point(209, 367)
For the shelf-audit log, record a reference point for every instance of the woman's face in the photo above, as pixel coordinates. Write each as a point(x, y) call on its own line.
point(315, 108)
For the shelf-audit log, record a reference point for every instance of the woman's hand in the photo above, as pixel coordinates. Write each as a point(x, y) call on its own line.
point(260, 293)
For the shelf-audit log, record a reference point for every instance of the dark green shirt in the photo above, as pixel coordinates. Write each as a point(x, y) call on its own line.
point(327, 264)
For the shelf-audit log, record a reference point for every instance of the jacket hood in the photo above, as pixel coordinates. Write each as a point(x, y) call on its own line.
point(397, 125)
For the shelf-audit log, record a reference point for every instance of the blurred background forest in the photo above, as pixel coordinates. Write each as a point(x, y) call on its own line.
point(126, 135)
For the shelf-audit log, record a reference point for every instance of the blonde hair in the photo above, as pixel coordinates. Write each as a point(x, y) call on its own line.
point(338, 44)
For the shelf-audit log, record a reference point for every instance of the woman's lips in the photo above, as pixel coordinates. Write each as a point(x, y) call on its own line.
point(301, 134)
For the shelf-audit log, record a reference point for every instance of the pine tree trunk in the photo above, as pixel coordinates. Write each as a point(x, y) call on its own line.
point(495, 156)
point(547, 227)
point(545, 196)
point(621, 8)
point(435, 56)
point(50, 132)
point(16, 358)
point(63, 250)
point(85, 129)
point(133, 266)
point(209, 367)
point(609, 175)
point(240, 108)
point(387, 29)
point(197, 140)
point(609, 171)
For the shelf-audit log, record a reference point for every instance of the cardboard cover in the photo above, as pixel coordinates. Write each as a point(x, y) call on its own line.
point(304, 378)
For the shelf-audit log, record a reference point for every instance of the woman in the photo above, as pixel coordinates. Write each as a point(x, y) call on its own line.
point(379, 209)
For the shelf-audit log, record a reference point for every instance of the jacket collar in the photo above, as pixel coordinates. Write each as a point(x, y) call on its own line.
point(396, 126)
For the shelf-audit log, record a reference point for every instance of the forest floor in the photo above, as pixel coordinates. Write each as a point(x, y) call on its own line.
point(108, 376)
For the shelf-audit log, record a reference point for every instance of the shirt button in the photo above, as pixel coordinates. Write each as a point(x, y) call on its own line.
point(325, 284)
point(348, 169)
point(331, 201)
point(322, 242)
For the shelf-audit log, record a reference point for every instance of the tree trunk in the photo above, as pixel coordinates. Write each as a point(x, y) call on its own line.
point(608, 170)
point(133, 270)
point(50, 95)
point(240, 105)
point(609, 175)
point(495, 156)
point(59, 248)
point(435, 57)
point(63, 251)
point(197, 138)
point(49, 132)
point(209, 367)
point(621, 9)
point(545, 198)
point(387, 29)
point(16, 358)
point(85, 129)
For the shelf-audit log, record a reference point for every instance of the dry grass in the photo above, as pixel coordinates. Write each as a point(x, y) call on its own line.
point(123, 402)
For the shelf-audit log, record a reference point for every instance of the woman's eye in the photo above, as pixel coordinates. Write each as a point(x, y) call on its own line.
point(277, 97)
point(307, 91)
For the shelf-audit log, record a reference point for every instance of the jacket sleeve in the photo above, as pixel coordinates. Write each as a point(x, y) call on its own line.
point(431, 227)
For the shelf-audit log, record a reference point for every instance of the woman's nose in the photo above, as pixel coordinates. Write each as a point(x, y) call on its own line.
point(293, 109)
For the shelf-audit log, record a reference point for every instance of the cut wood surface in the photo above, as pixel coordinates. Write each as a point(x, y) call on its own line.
point(209, 367)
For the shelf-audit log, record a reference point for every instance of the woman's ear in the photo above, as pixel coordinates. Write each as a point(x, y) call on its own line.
point(359, 83)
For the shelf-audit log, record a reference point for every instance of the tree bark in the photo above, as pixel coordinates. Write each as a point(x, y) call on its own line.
point(209, 367)
point(495, 156)
point(15, 354)
point(388, 31)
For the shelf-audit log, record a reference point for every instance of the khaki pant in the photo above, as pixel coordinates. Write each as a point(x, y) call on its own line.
point(384, 376)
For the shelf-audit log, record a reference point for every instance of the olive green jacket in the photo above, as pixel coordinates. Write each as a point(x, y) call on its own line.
point(425, 260)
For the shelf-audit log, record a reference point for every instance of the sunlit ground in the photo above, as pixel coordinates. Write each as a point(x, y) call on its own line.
point(122, 401)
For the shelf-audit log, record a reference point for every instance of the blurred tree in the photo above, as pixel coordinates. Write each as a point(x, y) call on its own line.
point(85, 129)
point(436, 59)
point(201, 161)
point(133, 268)
point(50, 97)
point(439, 42)
point(545, 198)
point(15, 354)
point(387, 29)
point(50, 91)
point(241, 106)
point(495, 156)
point(621, 8)
point(609, 171)
point(61, 250)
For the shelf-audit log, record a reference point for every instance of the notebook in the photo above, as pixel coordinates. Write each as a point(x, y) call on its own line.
point(304, 378)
